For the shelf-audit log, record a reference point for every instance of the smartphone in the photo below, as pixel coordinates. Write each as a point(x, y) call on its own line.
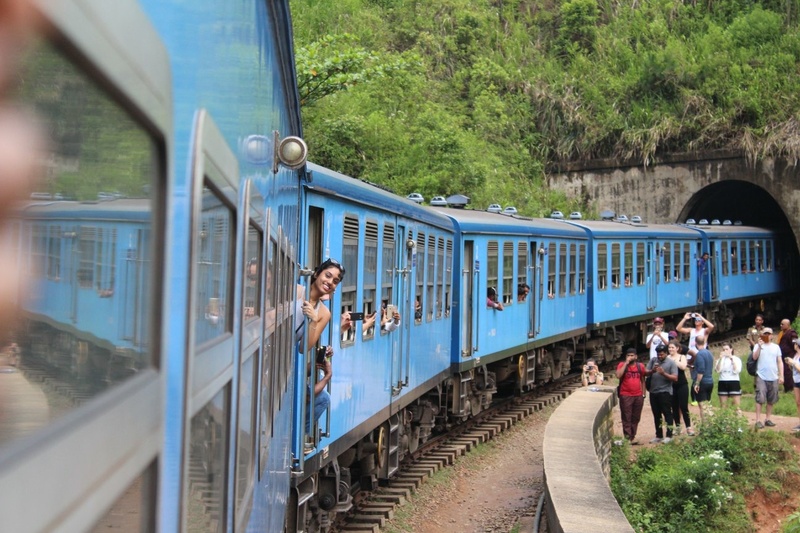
point(356, 316)
point(321, 351)
point(390, 310)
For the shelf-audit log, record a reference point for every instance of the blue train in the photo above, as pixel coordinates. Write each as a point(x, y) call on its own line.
point(158, 385)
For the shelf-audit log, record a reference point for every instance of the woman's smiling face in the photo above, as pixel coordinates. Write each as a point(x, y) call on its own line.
point(328, 280)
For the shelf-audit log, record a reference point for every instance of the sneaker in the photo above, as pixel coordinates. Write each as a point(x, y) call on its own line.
point(769, 423)
point(690, 432)
point(656, 441)
point(796, 428)
point(759, 425)
point(666, 440)
point(635, 442)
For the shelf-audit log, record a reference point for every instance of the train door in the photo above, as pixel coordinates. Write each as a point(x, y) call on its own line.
point(651, 274)
point(533, 282)
point(713, 270)
point(405, 252)
point(467, 307)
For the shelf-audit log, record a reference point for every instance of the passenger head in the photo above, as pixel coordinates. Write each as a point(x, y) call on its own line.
point(759, 320)
point(491, 293)
point(661, 351)
point(331, 273)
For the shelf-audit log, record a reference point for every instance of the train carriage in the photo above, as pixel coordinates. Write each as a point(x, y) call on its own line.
point(395, 254)
point(499, 253)
point(178, 109)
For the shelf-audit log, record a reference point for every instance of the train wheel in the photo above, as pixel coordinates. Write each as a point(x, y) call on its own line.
point(380, 450)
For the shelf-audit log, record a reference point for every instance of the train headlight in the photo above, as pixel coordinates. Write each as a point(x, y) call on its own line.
point(290, 152)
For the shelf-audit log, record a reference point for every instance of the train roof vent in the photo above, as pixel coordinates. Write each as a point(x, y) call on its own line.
point(727, 222)
point(737, 223)
point(607, 215)
point(459, 201)
point(715, 222)
point(636, 219)
point(690, 221)
point(558, 215)
point(575, 215)
point(703, 222)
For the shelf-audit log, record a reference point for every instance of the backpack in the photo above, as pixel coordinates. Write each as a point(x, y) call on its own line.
point(752, 364)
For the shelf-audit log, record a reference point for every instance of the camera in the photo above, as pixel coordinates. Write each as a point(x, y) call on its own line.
point(390, 310)
point(693, 315)
point(321, 353)
point(356, 316)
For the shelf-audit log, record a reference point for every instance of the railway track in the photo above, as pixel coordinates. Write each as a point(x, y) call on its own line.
point(371, 509)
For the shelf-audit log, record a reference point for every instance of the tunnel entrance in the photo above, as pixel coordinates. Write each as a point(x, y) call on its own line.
point(743, 201)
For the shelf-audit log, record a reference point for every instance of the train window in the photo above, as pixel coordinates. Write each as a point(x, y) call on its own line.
point(387, 265)
point(252, 273)
point(448, 277)
point(687, 264)
point(430, 277)
point(522, 263)
point(350, 264)
point(204, 500)
point(420, 281)
point(666, 261)
point(214, 269)
point(676, 262)
point(370, 281)
point(640, 263)
point(551, 270)
point(270, 391)
point(752, 254)
point(508, 273)
point(628, 265)
point(440, 274)
point(562, 269)
point(743, 256)
point(573, 265)
point(768, 253)
point(725, 260)
point(602, 266)
point(493, 266)
point(245, 441)
point(582, 275)
point(64, 347)
point(615, 265)
point(734, 259)
point(130, 511)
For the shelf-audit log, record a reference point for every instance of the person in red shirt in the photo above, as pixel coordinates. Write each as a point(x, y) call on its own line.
point(631, 392)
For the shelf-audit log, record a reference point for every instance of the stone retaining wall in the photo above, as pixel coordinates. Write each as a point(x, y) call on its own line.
point(577, 446)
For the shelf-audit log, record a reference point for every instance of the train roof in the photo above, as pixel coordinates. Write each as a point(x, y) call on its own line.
point(730, 231)
point(612, 228)
point(473, 221)
point(331, 183)
point(117, 209)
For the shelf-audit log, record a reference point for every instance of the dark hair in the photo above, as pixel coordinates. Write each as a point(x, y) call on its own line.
point(324, 266)
point(491, 292)
point(521, 288)
point(630, 350)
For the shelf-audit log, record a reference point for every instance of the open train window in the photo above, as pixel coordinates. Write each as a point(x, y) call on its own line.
point(349, 284)
point(676, 262)
point(687, 264)
point(522, 263)
point(615, 266)
point(420, 279)
point(573, 266)
point(508, 273)
point(387, 266)
point(582, 275)
point(602, 266)
point(430, 276)
point(640, 263)
point(440, 274)
point(743, 256)
point(734, 258)
point(493, 266)
point(666, 261)
point(768, 254)
point(370, 282)
point(562, 269)
point(628, 265)
point(725, 258)
point(753, 249)
point(448, 278)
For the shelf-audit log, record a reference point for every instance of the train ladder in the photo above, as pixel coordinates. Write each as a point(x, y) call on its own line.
point(393, 463)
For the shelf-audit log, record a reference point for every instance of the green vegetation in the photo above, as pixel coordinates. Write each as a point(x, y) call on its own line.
point(699, 484)
point(480, 98)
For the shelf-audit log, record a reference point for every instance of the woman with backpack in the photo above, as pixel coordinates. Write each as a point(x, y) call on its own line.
point(631, 392)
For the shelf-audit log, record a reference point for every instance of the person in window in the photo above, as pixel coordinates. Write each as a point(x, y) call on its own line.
point(523, 289)
point(323, 283)
point(418, 310)
point(491, 299)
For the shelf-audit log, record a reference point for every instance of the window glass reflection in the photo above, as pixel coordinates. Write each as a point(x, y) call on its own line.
point(84, 240)
point(204, 499)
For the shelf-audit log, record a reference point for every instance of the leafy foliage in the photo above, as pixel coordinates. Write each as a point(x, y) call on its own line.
point(480, 98)
point(699, 484)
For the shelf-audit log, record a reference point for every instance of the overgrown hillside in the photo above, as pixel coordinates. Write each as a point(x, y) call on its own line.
point(461, 96)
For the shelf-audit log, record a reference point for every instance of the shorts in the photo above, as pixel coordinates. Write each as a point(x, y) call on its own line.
point(766, 391)
point(797, 385)
point(729, 388)
point(704, 393)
